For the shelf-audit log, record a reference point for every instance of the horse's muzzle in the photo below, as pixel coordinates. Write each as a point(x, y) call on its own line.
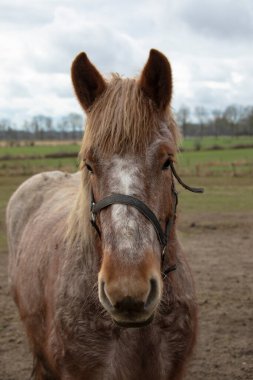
point(129, 311)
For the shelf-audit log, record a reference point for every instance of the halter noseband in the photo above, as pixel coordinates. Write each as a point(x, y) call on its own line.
point(128, 200)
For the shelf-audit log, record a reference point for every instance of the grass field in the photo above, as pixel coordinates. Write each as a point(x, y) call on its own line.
point(37, 150)
point(27, 160)
point(194, 143)
point(227, 175)
point(217, 162)
point(191, 143)
point(28, 166)
point(195, 163)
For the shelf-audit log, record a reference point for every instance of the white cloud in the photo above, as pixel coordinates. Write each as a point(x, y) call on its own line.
point(227, 19)
point(208, 44)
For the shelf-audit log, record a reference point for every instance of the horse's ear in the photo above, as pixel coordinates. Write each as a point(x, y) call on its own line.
point(156, 79)
point(88, 82)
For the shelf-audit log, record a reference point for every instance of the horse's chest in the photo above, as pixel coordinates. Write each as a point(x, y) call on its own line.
point(125, 355)
point(99, 350)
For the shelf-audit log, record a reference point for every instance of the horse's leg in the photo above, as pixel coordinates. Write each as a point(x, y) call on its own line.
point(40, 370)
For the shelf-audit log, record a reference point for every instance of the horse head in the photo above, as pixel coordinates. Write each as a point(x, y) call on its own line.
point(129, 144)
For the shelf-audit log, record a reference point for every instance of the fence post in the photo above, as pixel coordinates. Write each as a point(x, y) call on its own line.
point(234, 169)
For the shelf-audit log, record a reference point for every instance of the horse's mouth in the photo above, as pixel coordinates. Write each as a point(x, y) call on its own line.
point(134, 324)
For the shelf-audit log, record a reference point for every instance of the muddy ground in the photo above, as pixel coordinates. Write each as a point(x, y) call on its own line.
point(220, 250)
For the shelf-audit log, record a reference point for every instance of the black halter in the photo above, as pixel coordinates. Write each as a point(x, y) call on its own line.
point(128, 200)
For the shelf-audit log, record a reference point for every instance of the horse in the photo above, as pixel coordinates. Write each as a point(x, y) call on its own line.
point(96, 270)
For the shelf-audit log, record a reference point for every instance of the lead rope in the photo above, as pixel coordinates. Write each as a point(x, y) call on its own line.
point(192, 189)
point(171, 221)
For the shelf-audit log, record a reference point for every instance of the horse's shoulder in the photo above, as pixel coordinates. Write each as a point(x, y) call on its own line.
point(32, 194)
point(40, 184)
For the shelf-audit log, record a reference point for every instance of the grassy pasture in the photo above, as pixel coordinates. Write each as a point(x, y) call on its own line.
point(41, 148)
point(222, 195)
point(37, 149)
point(227, 175)
point(27, 160)
point(217, 162)
point(32, 166)
point(191, 143)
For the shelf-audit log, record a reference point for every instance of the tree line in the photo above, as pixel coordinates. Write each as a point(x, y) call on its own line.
point(233, 121)
point(42, 127)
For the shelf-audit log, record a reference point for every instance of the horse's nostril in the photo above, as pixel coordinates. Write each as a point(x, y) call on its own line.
point(128, 304)
point(153, 293)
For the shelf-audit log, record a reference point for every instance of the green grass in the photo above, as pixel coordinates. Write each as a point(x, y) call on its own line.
point(38, 150)
point(221, 195)
point(226, 162)
point(32, 166)
point(216, 162)
point(190, 143)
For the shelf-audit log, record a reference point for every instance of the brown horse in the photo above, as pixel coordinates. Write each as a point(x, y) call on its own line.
point(103, 303)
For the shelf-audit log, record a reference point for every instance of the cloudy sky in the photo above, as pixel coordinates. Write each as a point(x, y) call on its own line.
point(208, 42)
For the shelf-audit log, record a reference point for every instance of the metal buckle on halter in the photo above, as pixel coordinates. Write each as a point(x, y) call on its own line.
point(92, 214)
point(165, 273)
point(163, 252)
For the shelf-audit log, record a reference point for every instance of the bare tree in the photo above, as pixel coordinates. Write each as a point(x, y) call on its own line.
point(217, 117)
point(4, 124)
point(183, 116)
point(234, 115)
point(73, 123)
point(201, 115)
point(41, 124)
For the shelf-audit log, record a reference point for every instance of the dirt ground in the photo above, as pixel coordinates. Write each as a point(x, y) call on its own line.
point(220, 251)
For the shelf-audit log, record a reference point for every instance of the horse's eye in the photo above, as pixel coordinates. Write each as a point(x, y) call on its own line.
point(89, 168)
point(166, 165)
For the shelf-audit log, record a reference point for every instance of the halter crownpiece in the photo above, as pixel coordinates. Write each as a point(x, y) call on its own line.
point(128, 200)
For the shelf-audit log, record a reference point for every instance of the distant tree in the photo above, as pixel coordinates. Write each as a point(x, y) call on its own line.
point(73, 123)
point(7, 129)
point(234, 120)
point(217, 118)
point(39, 125)
point(247, 121)
point(4, 124)
point(202, 117)
point(34, 127)
point(61, 128)
point(183, 116)
point(234, 115)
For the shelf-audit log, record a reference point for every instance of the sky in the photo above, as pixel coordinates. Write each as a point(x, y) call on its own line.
point(209, 44)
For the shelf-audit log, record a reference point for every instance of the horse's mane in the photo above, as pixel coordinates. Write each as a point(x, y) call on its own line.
point(122, 120)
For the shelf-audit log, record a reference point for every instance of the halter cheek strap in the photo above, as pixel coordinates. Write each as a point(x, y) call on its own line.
point(128, 200)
